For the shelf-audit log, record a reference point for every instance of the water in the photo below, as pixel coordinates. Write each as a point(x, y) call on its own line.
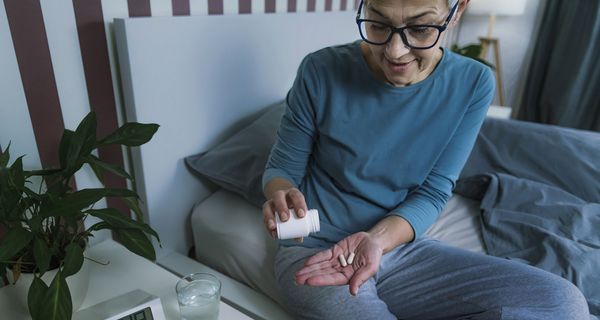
point(199, 300)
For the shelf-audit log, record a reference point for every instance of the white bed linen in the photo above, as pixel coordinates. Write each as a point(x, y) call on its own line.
point(229, 236)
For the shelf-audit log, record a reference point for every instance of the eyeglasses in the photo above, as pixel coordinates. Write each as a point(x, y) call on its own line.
point(423, 36)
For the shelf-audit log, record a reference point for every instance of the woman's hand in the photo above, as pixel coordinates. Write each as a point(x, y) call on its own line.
point(279, 203)
point(325, 268)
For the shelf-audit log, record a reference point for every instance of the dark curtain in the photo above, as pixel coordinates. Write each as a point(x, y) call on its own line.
point(563, 82)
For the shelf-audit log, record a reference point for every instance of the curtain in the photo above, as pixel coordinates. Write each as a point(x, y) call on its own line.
point(563, 82)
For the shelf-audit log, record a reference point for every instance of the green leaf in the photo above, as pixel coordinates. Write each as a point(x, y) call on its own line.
point(32, 194)
point(41, 253)
point(113, 217)
point(45, 172)
point(134, 205)
point(97, 171)
point(131, 134)
point(63, 148)
point(73, 259)
point(77, 144)
point(5, 157)
point(86, 131)
point(74, 202)
point(102, 166)
point(10, 196)
point(15, 240)
point(35, 224)
point(99, 226)
point(3, 267)
point(116, 219)
point(57, 300)
point(35, 297)
point(137, 242)
point(77, 201)
point(471, 51)
point(16, 173)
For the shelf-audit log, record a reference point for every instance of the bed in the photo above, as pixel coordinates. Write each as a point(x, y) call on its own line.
point(215, 85)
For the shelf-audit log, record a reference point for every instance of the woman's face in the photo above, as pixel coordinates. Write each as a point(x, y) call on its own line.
point(394, 62)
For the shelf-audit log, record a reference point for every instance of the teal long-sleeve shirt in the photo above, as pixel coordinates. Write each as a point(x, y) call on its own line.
point(360, 149)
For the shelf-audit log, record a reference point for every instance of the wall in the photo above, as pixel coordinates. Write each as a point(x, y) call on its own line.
point(58, 62)
point(517, 37)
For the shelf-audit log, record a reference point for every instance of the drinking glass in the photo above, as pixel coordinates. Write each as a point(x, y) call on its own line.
point(198, 295)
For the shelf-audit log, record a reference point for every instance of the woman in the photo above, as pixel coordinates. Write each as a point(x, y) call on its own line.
point(374, 136)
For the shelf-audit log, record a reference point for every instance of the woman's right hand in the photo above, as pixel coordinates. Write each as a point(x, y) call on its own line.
point(280, 203)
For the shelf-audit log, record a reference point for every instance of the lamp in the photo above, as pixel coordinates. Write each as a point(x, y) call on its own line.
point(493, 8)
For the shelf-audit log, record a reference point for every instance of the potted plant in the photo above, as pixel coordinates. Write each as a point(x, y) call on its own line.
point(43, 225)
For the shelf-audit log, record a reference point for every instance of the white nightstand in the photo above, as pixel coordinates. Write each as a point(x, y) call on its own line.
point(126, 272)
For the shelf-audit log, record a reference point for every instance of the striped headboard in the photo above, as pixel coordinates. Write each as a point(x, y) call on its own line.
point(199, 78)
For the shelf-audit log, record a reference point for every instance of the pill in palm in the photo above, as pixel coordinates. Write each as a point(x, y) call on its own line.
point(342, 260)
point(351, 258)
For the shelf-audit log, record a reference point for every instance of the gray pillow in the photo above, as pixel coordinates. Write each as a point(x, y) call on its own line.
point(237, 164)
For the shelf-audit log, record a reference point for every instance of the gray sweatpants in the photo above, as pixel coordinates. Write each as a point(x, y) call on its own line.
point(428, 280)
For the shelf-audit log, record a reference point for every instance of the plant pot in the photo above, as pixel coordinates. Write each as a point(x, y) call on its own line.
point(78, 285)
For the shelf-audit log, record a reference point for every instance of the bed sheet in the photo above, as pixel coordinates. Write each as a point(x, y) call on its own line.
point(229, 236)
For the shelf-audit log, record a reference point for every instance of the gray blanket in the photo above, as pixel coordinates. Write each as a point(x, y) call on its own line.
point(539, 188)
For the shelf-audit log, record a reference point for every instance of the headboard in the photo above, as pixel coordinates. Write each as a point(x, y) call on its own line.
point(201, 78)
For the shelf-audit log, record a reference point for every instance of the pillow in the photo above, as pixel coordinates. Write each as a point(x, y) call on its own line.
point(237, 164)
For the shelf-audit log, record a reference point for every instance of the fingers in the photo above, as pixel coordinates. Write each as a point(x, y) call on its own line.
point(291, 198)
point(314, 267)
point(361, 276)
point(353, 261)
point(269, 218)
point(320, 257)
point(314, 270)
point(332, 279)
point(297, 201)
point(280, 205)
point(329, 254)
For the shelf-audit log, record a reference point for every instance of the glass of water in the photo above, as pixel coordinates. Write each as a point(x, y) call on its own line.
point(198, 295)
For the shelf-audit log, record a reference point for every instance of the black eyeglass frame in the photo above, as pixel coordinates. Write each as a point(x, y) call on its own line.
point(400, 30)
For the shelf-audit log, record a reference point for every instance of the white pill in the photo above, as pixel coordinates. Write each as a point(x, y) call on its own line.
point(351, 258)
point(342, 260)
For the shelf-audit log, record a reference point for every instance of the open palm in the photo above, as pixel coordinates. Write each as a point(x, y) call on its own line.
point(325, 269)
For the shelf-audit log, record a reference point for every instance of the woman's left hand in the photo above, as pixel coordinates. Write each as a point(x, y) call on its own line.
point(325, 268)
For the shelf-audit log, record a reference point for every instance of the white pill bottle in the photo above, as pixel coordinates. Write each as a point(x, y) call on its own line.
point(298, 227)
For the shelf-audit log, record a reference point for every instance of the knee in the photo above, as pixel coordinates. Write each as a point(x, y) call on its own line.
point(572, 302)
point(565, 299)
point(305, 302)
point(314, 303)
point(331, 302)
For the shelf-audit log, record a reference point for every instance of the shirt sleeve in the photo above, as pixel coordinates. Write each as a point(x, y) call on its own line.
point(423, 205)
point(297, 132)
